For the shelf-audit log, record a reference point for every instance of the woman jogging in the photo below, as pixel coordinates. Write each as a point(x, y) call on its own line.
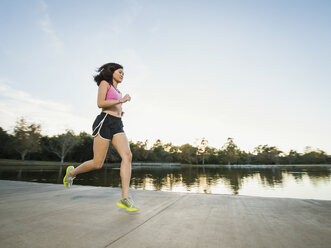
point(108, 127)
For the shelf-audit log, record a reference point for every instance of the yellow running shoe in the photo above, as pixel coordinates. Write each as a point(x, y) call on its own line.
point(128, 204)
point(68, 180)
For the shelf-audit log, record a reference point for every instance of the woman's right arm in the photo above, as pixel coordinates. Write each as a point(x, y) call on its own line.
point(102, 103)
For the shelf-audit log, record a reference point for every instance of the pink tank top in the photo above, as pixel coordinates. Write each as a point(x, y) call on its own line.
point(113, 94)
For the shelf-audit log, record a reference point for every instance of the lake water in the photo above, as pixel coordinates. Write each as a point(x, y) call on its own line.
point(312, 182)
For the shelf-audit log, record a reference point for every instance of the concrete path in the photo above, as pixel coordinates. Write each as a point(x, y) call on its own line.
point(49, 215)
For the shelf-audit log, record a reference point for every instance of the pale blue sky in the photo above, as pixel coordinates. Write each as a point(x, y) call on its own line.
point(256, 71)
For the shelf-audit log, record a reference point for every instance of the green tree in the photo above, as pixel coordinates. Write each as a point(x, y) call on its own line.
point(139, 150)
point(231, 151)
point(201, 145)
point(6, 144)
point(158, 152)
point(187, 153)
point(267, 154)
point(62, 144)
point(27, 137)
point(293, 157)
point(45, 154)
point(244, 157)
point(211, 155)
point(173, 152)
point(314, 157)
point(83, 150)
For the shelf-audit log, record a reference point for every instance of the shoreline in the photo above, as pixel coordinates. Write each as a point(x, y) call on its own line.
point(12, 162)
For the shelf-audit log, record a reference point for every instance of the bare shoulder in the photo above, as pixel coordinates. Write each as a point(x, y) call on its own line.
point(104, 84)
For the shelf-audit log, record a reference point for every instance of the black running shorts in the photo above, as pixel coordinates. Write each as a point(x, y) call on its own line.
point(107, 126)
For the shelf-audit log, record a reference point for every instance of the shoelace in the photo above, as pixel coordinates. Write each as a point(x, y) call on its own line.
point(70, 179)
point(129, 201)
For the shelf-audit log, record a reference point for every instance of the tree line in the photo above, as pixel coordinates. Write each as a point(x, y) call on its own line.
point(27, 142)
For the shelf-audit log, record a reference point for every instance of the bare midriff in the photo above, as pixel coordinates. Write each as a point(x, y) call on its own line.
point(115, 110)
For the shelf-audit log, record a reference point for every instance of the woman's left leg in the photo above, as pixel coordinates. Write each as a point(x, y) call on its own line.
point(121, 144)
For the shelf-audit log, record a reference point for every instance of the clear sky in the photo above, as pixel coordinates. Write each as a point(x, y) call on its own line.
point(256, 71)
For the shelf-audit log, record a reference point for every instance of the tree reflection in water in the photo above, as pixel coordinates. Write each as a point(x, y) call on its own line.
point(196, 179)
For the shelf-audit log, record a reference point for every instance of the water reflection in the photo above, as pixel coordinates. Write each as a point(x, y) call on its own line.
point(299, 182)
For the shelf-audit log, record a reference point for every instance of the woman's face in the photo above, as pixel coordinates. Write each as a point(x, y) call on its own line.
point(118, 75)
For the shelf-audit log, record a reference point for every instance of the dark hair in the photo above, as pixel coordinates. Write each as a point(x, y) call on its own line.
point(106, 73)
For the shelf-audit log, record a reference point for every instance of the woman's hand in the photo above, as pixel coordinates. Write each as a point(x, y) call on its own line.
point(126, 98)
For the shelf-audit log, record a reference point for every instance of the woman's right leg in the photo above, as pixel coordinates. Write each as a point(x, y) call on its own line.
point(100, 148)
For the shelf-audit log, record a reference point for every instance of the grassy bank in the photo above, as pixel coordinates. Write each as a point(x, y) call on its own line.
point(13, 162)
point(254, 165)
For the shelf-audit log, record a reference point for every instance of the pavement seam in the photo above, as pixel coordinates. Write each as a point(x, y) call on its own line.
point(112, 242)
